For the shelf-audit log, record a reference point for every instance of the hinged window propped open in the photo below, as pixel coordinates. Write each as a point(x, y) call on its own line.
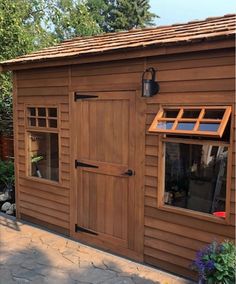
point(189, 120)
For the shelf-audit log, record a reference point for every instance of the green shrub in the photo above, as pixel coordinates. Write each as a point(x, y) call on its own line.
point(216, 263)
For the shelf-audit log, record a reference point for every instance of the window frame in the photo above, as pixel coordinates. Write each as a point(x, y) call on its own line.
point(162, 139)
point(29, 129)
point(46, 117)
point(196, 121)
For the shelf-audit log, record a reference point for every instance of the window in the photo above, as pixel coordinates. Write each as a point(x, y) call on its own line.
point(42, 117)
point(195, 176)
point(43, 149)
point(203, 121)
point(195, 143)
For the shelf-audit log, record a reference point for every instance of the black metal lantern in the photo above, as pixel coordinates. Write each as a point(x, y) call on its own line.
point(150, 87)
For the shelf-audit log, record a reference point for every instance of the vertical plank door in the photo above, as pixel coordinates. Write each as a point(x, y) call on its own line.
point(105, 170)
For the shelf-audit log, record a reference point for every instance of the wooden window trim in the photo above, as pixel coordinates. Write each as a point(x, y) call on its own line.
point(161, 180)
point(46, 117)
point(200, 119)
point(46, 129)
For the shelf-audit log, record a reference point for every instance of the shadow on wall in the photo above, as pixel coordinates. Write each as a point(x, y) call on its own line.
point(31, 265)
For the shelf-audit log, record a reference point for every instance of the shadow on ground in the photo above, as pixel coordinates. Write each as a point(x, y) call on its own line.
point(31, 265)
point(9, 221)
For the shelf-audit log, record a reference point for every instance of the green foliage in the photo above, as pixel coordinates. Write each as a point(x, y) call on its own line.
point(6, 173)
point(119, 15)
point(71, 18)
point(216, 263)
point(28, 25)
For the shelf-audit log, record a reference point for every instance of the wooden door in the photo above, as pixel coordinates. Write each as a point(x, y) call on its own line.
point(106, 170)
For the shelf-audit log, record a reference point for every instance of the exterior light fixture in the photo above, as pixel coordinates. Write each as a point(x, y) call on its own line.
point(150, 87)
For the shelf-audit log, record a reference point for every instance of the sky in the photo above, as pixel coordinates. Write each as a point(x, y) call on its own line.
point(181, 11)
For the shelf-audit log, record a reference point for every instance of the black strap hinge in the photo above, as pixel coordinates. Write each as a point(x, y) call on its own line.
point(83, 230)
point(84, 165)
point(79, 96)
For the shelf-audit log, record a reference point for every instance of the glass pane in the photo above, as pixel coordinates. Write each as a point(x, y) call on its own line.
point(173, 113)
point(165, 125)
point(43, 155)
point(191, 113)
point(53, 123)
point(52, 112)
point(32, 121)
point(185, 126)
point(42, 122)
point(32, 111)
point(212, 127)
point(214, 114)
point(195, 177)
point(41, 111)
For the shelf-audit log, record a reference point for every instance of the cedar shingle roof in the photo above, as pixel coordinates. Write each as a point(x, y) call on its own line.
point(211, 28)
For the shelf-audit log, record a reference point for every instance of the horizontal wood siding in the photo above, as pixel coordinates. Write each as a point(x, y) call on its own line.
point(39, 201)
point(171, 239)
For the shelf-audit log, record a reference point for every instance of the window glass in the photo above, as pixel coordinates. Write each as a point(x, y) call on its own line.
point(213, 127)
point(42, 122)
point(191, 113)
point(52, 112)
point(53, 123)
point(195, 176)
point(43, 155)
point(165, 125)
point(213, 114)
point(171, 113)
point(32, 121)
point(41, 111)
point(32, 111)
point(185, 126)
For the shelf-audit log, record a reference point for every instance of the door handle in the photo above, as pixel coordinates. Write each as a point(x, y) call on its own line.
point(129, 173)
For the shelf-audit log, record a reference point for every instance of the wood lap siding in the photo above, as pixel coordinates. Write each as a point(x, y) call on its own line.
point(38, 200)
point(171, 240)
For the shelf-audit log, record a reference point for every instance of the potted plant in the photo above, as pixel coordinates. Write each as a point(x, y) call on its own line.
point(216, 263)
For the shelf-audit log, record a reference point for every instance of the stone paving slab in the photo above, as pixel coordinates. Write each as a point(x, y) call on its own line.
point(29, 254)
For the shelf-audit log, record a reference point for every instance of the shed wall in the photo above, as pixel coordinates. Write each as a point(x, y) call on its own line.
point(170, 239)
point(43, 202)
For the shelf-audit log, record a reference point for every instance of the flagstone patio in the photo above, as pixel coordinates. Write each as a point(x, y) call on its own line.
point(29, 254)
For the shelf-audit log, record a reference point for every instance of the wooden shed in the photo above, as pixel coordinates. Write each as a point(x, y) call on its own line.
point(151, 178)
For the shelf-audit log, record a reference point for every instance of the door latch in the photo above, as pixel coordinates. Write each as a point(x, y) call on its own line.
point(129, 173)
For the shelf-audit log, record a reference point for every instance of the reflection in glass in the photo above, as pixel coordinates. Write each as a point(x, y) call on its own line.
point(191, 113)
point(185, 126)
point(213, 127)
point(195, 176)
point(165, 125)
point(214, 114)
point(43, 155)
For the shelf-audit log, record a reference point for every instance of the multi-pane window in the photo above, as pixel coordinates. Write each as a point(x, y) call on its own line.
point(203, 121)
point(43, 147)
point(42, 117)
point(195, 143)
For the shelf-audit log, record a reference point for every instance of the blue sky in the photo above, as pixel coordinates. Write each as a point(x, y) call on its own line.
point(181, 11)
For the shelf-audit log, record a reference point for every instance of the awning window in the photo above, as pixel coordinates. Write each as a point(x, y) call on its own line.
point(201, 120)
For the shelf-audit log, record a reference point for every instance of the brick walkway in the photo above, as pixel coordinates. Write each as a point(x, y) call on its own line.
point(29, 254)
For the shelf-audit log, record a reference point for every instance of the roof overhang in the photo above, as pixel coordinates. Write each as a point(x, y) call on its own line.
point(205, 44)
